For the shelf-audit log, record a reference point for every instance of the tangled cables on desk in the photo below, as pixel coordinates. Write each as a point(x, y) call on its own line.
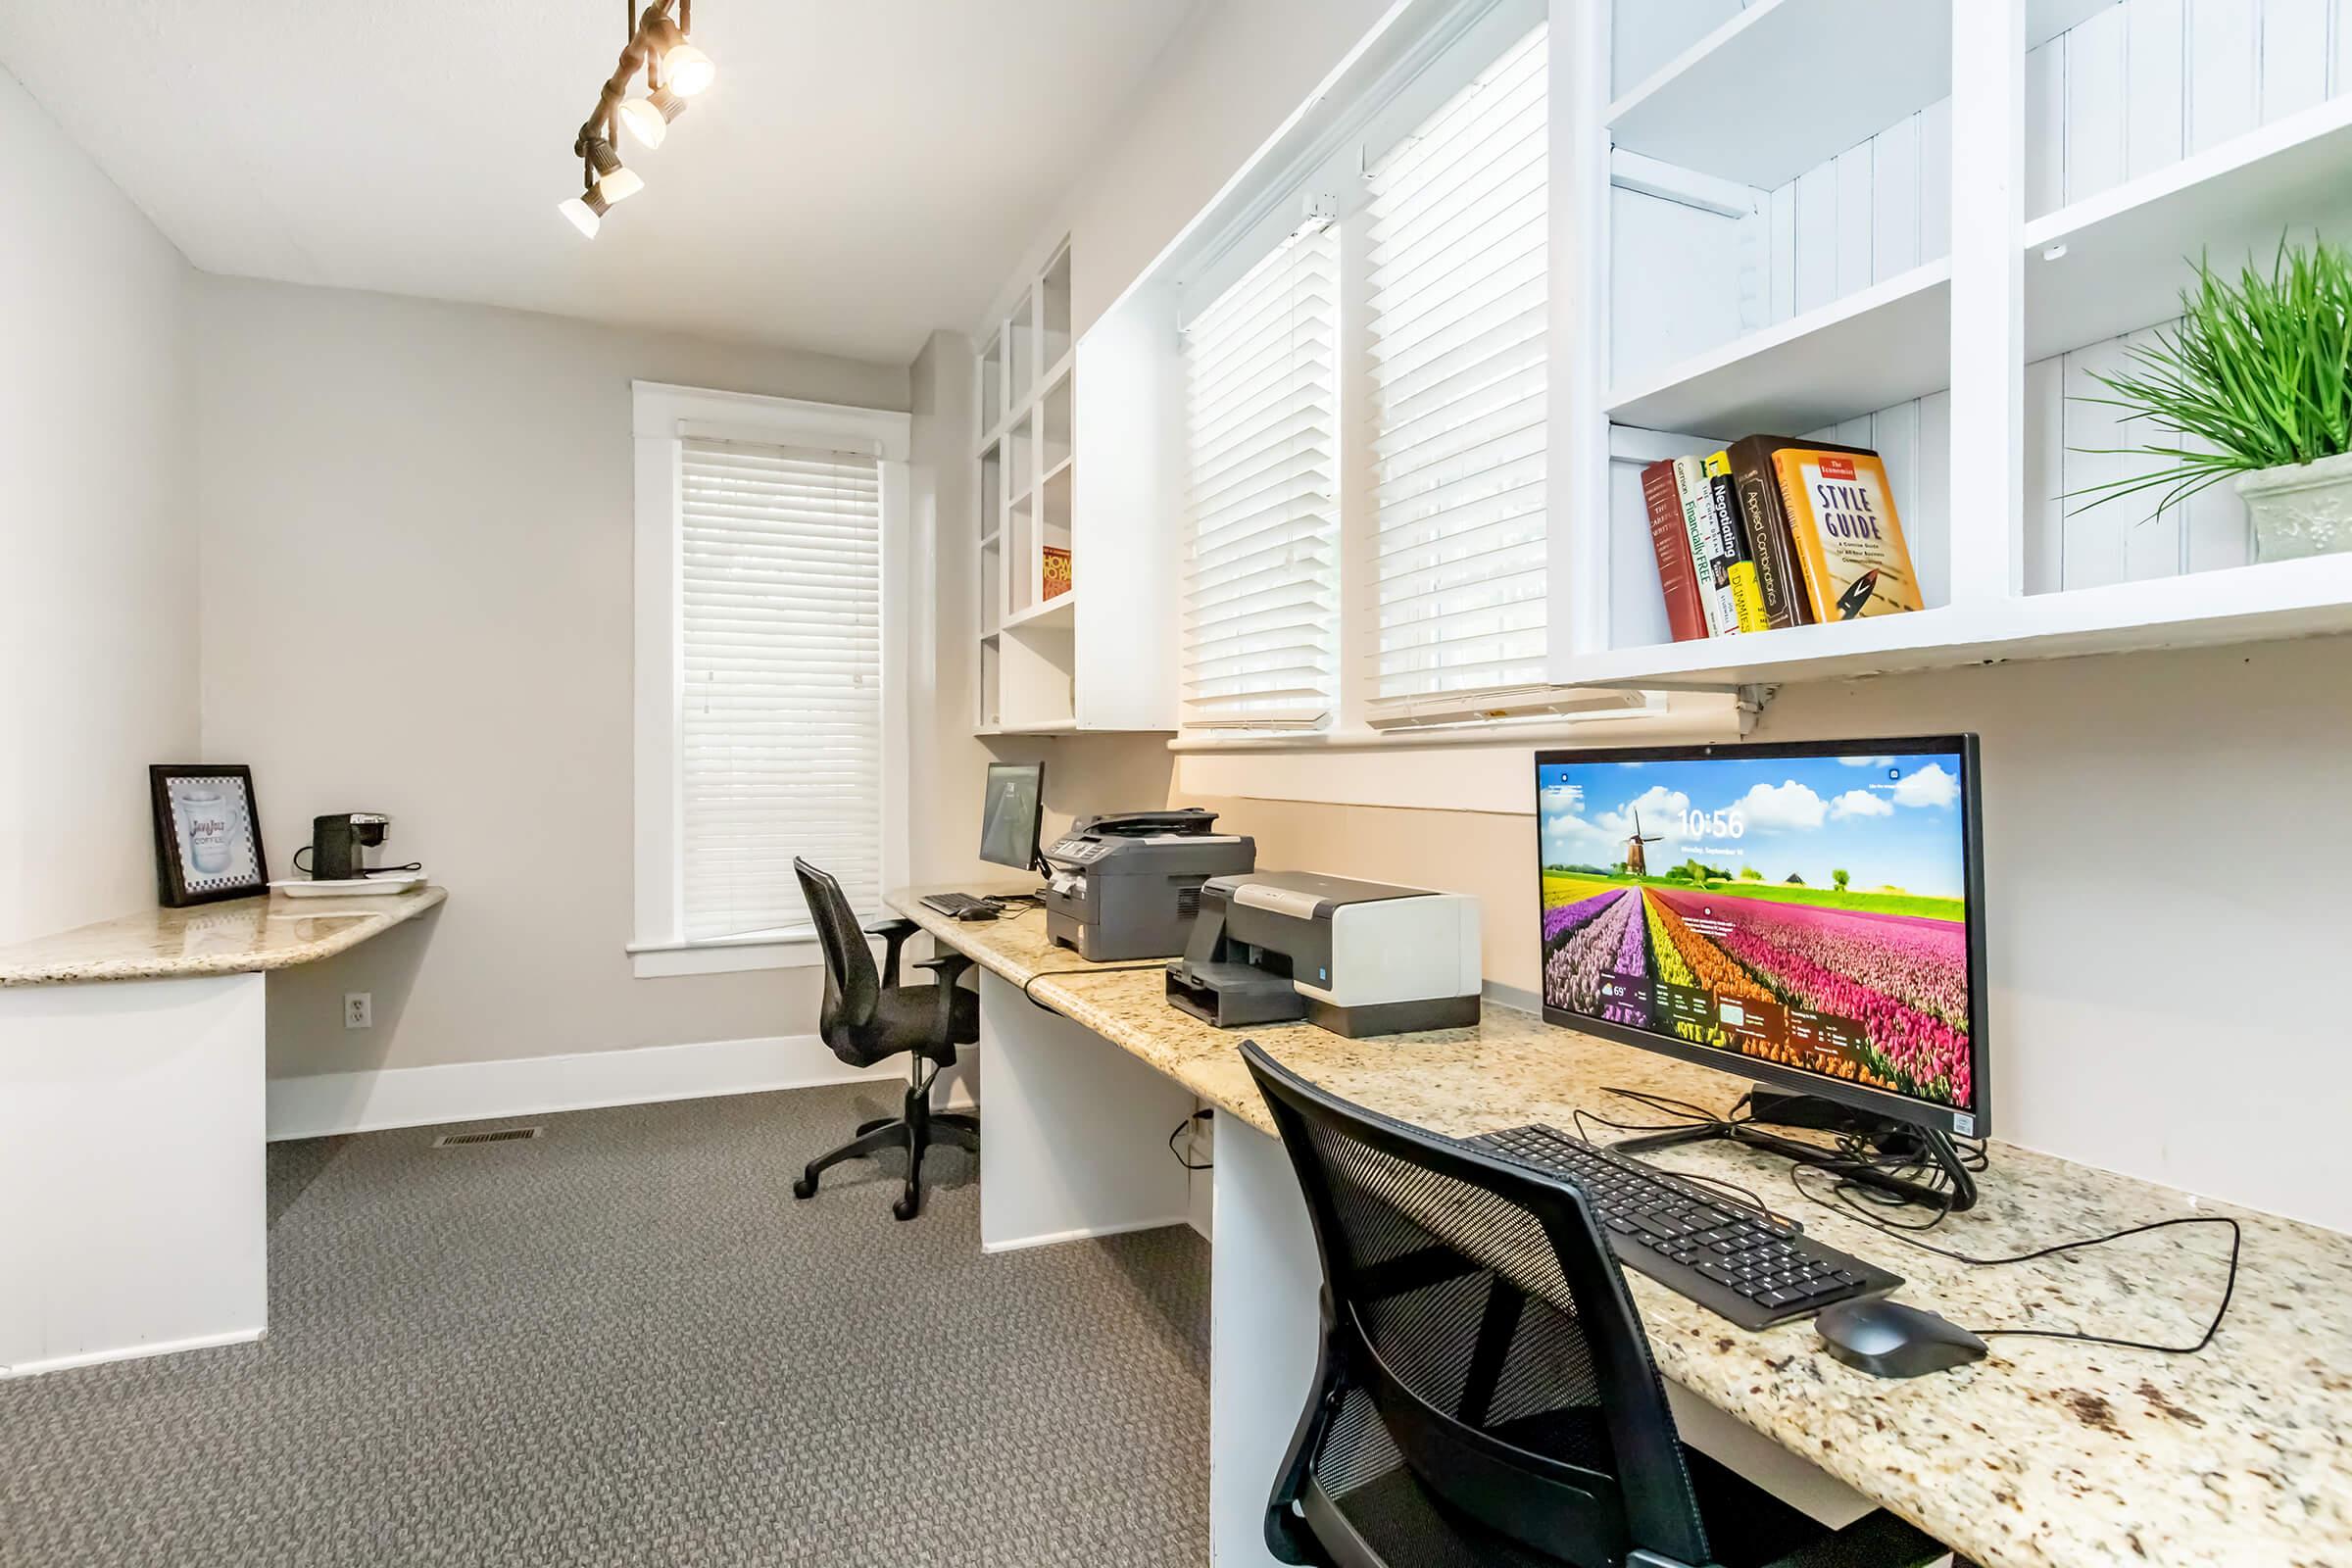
point(1850, 1151)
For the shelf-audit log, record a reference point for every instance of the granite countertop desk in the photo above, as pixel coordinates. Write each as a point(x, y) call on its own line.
point(2047, 1455)
point(236, 936)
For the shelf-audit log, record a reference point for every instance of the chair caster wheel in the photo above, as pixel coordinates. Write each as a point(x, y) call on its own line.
point(905, 1209)
point(806, 1187)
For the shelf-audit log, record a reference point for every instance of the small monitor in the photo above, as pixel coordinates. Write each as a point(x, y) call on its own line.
point(1010, 813)
point(1806, 914)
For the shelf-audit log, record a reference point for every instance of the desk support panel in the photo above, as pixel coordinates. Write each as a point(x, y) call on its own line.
point(1264, 1323)
point(133, 1184)
point(1077, 1130)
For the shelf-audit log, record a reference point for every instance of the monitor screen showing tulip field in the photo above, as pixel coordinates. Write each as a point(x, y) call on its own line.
point(1803, 907)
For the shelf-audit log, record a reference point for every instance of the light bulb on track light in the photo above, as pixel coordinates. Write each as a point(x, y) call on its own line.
point(685, 70)
point(688, 69)
point(615, 183)
point(586, 210)
point(648, 118)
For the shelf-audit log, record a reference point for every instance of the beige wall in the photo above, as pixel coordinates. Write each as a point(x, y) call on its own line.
point(98, 598)
point(2160, 852)
point(416, 581)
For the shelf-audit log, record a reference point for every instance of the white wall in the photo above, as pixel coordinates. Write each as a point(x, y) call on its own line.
point(417, 580)
point(98, 596)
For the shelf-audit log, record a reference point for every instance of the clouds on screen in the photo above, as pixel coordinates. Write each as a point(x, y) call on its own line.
point(1929, 786)
point(1601, 838)
point(1860, 803)
point(1787, 806)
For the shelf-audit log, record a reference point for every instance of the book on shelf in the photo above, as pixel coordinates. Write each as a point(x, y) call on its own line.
point(1773, 531)
point(1740, 564)
point(1685, 617)
point(1707, 559)
point(1056, 571)
point(1849, 542)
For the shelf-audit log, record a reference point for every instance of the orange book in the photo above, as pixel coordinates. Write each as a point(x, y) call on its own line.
point(1849, 542)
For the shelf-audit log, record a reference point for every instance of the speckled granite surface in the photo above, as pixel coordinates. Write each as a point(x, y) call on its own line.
point(2045, 1454)
point(235, 936)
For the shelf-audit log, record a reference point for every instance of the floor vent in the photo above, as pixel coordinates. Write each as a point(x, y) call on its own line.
point(504, 1135)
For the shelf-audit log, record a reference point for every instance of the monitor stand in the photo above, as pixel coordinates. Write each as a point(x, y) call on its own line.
point(1924, 1144)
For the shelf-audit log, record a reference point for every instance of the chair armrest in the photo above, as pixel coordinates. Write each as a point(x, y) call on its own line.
point(893, 934)
point(949, 966)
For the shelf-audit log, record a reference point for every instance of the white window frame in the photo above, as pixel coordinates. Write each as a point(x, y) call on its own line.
point(1457, 47)
point(663, 418)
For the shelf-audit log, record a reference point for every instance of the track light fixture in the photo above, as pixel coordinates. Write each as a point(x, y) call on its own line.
point(586, 210)
point(648, 118)
point(674, 71)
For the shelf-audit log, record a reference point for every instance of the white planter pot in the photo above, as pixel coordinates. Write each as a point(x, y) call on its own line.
point(2301, 508)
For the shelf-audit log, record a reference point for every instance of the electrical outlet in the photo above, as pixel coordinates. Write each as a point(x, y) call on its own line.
point(359, 1009)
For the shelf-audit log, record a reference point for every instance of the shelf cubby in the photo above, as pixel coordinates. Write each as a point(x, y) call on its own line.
point(1020, 354)
point(992, 384)
point(1053, 310)
point(1741, 102)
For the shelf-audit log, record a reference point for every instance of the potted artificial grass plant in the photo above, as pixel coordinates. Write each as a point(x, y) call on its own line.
point(2257, 377)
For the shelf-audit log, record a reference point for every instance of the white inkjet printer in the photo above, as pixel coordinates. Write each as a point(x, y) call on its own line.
point(1126, 885)
point(1357, 957)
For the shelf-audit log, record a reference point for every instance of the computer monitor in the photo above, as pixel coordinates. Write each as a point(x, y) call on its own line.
point(1010, 813)
point(1806, 914)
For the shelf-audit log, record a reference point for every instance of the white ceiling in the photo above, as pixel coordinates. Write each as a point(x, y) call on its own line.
point(862, 171)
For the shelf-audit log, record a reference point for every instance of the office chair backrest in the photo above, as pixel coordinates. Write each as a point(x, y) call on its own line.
point(1480, 1332)
point(853, 987)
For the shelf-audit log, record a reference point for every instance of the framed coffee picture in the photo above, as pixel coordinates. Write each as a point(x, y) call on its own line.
point(208, 834)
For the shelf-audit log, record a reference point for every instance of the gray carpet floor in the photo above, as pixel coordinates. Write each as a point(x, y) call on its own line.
point(625, 1343)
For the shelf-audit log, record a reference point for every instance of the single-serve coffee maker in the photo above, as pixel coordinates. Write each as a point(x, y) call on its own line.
point(336, 843)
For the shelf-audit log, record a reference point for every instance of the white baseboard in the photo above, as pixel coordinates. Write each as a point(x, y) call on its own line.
point(134, 1352)
point(324, 1104)
point(1083, 1234)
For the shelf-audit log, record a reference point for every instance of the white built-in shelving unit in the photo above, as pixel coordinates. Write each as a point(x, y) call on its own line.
point(1923, 227)
point(1093, 656)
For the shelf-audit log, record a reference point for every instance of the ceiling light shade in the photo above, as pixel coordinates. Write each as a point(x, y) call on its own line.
point(685, 70)
point(688, 69)
point(648, 118)
point(585, 211)
point(617, 184)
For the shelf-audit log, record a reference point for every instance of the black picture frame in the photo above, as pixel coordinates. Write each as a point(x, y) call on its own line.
point(208, 833)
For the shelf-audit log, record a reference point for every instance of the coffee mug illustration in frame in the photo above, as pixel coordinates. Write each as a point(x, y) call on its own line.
point(208, 834)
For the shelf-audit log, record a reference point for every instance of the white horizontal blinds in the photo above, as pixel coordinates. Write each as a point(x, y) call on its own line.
point(780, 718)
point(1261, 578)
point(1457, 324)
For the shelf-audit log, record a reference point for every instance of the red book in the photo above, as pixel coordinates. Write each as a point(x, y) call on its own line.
point(1685, 616)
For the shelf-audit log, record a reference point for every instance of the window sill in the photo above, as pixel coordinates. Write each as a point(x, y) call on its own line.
point(1697, 717)
point(657, 961)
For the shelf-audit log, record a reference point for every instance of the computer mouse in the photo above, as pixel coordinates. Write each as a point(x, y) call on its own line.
point(1890, 1340)
point(977, 911)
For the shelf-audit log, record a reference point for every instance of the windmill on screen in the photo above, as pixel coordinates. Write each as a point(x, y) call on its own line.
point(1636, 863)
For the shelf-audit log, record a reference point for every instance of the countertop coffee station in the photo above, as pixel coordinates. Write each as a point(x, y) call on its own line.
point(132, 1094)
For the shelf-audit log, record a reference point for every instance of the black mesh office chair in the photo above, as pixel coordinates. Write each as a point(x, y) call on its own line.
point(1486, 1393)
point(867, 1017)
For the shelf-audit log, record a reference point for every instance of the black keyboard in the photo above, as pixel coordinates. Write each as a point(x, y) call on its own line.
point(1729, 1258)
point(952, 905)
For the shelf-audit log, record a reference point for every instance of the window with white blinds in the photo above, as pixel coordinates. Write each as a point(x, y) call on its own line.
point(1457, 322)
point(1262, 579)
point(780, 706)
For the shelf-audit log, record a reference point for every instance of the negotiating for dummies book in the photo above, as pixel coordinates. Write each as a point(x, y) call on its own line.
point(1849, 542)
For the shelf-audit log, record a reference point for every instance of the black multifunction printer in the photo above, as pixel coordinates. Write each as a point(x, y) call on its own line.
point(1127, 885)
